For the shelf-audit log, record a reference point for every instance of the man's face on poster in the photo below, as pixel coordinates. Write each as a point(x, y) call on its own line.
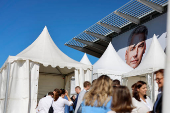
point(135, 50)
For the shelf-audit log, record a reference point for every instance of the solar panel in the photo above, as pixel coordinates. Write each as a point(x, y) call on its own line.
point(132, 8)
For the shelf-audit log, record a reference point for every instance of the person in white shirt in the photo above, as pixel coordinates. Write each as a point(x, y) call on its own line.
point(59, 101)
point(140, 100)
point(45, 103)
point(87, 86)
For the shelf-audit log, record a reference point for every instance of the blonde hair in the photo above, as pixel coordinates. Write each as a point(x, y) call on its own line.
point(100, 92)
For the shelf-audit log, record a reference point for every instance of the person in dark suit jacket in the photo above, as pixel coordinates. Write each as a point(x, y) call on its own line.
point(157, 108)
point(78, 90)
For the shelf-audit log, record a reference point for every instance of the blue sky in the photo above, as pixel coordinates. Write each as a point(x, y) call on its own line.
point(21, 22)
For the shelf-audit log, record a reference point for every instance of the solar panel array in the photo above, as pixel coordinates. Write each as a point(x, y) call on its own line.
point(132, 8)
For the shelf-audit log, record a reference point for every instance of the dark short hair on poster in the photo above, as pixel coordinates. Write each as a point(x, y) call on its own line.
point(138, 30)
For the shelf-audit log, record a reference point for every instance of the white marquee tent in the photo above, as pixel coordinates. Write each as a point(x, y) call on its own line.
point(88, 73)
point(38, 69)
point(110, 64)
point(85, 60)
point(153, 61)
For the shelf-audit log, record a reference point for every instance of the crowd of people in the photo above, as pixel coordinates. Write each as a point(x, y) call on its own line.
point(104, 95)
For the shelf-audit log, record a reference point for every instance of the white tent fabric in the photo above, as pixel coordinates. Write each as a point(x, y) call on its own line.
point(18, 92)
point(19, 89)
point(153, 61)
point(85, 60)
point(111, 64)
point(19, 84)
point(44, 51)
point(3, 79)
point(88, 73)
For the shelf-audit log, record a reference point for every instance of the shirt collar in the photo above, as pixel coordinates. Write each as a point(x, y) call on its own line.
point(160, 90)
point(84, 90)
point(48, 96)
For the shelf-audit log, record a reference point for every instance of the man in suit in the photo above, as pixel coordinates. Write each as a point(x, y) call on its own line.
point(87, 86)
point(78, 90)
point(157, 108)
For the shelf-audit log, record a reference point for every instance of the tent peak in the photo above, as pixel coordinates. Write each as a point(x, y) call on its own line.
point(45, 29)
point(154, 35)
point(43, 50)
point(111, 63)
point(85, 60)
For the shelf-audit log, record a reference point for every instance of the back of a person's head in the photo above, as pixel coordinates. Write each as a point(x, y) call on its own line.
point(51, 93)
point(62, 92)
point(100, 92)
point(133, 86)
point(56, 89)
point(122, 101)
point(56, 95)
point(116, 82)
point(86, 84)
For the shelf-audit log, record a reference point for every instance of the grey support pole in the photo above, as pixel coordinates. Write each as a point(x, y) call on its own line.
point(153, 88)
point(29, 74)
point(7, 86)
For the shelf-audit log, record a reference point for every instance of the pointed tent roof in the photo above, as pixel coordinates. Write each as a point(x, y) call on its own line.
point(153, 61)
point(44, 51)
point(111, 63)
point(85, 60)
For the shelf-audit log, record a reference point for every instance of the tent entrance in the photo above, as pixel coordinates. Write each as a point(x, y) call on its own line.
point(134, 79)
point(51, 78)
point(48, 82)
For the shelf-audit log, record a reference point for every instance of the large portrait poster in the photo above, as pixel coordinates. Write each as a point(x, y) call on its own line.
point(133, 45)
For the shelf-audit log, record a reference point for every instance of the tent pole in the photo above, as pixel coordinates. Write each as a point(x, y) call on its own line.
point(65, 81)
point(153, 88)
point(7, 86)
point(166, 91)
point(29, 101)
point(76, 74)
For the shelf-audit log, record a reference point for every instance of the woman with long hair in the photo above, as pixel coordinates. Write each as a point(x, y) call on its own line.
point(73, 98)
point(122, 101)
point(140, 100)
point(59, 101)
point(98, 99)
